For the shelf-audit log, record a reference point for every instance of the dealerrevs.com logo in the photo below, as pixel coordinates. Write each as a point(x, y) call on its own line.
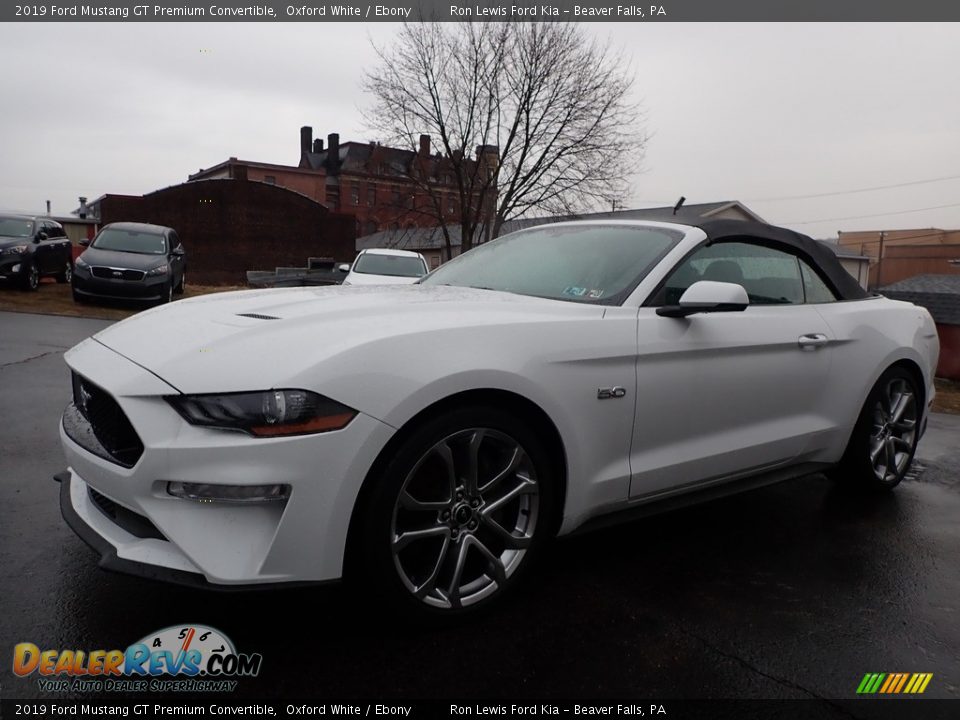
point(180, 658)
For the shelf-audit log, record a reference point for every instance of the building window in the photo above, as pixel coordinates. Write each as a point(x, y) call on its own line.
point(354, 194)
point(397, 199)
point(270, 179)
point(434, 261)
point(451, 204)
point(372, 196)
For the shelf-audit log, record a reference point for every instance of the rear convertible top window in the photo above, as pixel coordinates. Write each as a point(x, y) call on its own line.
point(598, 264)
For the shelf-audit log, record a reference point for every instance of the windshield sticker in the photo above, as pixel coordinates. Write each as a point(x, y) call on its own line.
point(575, 291)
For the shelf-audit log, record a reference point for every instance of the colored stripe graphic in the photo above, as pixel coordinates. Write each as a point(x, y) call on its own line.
point(894, 683)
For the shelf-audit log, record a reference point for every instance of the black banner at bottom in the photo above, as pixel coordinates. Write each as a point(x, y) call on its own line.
point(882, 709)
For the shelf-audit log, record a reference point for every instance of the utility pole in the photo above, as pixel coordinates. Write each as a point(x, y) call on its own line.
point(880, 262)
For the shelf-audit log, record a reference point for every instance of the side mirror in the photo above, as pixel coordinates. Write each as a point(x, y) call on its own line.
point(85, 242)
point(708, 296)
point(41, 235)
point(343, 267)
point(178, 250)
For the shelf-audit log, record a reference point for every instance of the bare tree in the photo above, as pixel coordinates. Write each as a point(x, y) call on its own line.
point(531, 119)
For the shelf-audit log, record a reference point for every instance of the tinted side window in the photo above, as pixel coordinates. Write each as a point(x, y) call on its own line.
point(816, 290)
point(173, 239)
point(770, 277)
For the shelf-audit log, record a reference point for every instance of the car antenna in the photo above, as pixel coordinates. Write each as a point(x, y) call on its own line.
point(680, 202)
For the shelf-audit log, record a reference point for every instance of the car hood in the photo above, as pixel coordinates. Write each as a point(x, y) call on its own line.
point(261, 339)
point(117, 259)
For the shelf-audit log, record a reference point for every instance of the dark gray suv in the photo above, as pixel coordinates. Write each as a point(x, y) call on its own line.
point(32, 247)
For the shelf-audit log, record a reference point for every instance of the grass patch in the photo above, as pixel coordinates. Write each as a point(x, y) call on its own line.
point(53, 298)
point(947, 399)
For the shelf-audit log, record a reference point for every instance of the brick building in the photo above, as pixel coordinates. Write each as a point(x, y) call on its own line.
point(383, 188)
point(388, 188)
point(229, 226)
point(899, 254)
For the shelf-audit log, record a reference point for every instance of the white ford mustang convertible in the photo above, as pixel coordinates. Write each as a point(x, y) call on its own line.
point(428, 440)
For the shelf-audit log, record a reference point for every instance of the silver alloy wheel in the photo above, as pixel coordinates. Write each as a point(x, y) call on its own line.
point(68, 272)
point(170, 292)
point(894, 430)
point(33, 277)
point(464, 518)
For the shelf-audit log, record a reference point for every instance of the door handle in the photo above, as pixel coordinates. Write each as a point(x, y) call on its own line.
point(812, 340)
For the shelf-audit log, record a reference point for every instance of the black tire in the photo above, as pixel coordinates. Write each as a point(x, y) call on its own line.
point(167, 294)
point(66, 275)
point(181, 286)
point(467, 530)
point(884, 440)
point(78, 298)
point(31, 279)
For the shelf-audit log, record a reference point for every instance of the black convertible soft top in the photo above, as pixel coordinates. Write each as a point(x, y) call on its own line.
point(817, 254)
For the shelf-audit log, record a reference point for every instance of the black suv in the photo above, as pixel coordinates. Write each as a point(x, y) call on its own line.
point(129, 260)
point(32, 247)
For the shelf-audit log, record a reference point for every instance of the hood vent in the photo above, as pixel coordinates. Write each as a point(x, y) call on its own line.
point(258, 316)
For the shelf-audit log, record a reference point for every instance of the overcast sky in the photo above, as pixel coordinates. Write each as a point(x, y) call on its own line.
point(735, 111)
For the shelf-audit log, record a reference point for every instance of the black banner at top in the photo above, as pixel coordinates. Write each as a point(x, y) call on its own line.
point(479, 10)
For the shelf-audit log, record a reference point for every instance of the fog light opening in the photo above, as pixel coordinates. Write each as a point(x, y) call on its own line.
point(203, 492)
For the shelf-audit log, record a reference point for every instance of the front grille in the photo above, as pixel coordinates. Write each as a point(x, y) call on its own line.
point(134, 523)
point(108, 273)
point(109, 423)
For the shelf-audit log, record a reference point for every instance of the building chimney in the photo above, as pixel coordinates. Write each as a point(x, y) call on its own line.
point(306, 139)
point(333, 153)
point(424, 146)
point(83, 208)
point(318, 145)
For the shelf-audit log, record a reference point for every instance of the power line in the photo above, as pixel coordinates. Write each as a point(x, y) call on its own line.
point(861, 217)
point(856, 190)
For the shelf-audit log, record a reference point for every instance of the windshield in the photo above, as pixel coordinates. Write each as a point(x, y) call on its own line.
point(145, 243)
point(16, 227)
point(598, 264)
point(394, 265)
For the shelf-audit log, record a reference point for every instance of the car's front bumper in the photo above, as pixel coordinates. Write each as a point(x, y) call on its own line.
point(148, 289)
point(298, 540)
point(13, 266)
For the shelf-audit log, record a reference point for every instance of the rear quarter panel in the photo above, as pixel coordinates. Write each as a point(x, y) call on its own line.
point(870, 336)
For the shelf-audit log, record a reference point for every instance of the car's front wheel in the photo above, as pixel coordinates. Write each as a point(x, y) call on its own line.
point(459, 513)
point(31, 278)
point(885, 437)
point(66, 274)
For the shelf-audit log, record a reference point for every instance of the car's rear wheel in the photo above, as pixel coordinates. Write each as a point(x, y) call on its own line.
point(66, 275)
point(885, 437)
point(458, 514)
point(31, 279)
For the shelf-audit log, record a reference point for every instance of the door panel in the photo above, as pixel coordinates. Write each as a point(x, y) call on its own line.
point(720, 394)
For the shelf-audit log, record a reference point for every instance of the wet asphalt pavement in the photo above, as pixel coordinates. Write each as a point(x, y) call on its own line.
point(792, 591)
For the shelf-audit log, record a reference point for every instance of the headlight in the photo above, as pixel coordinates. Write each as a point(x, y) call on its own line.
point(265, 414)
point(157, 271)
point(16, 250)
point(81, 264)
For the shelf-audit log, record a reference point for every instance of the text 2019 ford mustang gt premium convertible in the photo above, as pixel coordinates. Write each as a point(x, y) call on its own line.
point(427, 440)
